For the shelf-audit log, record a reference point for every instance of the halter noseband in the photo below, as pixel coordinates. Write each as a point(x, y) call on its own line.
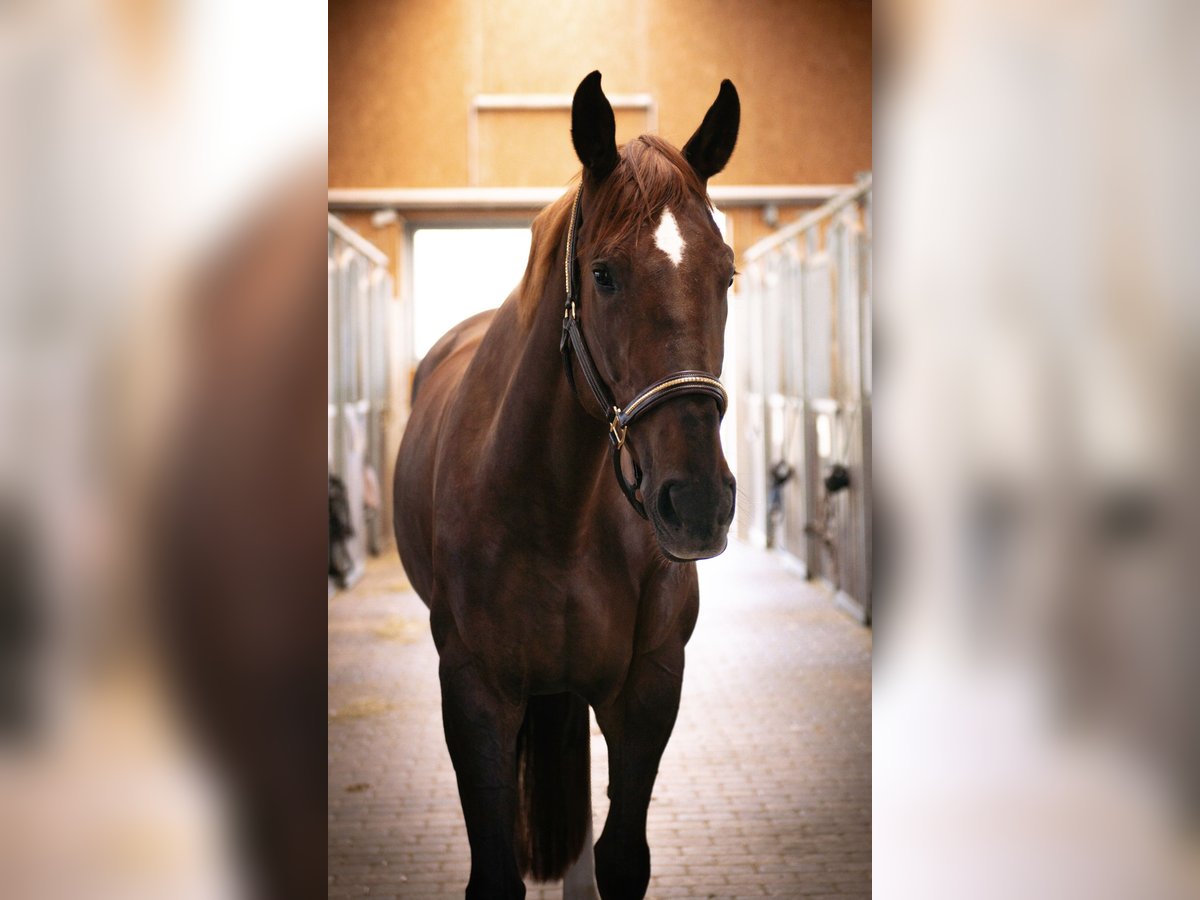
point(619, 420)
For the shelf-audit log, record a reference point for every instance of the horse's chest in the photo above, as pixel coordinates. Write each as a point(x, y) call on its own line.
point(552, 630)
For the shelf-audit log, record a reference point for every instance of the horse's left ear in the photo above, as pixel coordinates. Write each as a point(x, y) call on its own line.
point(711, 146)
point(594, 129)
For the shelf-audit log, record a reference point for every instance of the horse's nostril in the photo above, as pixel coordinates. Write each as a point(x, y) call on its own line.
point(666, 506)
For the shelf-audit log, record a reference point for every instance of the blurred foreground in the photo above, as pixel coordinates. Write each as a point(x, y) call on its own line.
point(1036, 727)
point(162, 602)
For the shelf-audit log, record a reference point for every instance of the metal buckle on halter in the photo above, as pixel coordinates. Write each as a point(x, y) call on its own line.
point(617, 432)
point(569, 312)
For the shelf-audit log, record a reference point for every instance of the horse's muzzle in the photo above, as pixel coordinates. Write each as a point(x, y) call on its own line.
point(692, 517)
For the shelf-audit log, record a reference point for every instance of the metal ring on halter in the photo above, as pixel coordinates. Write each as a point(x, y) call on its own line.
point(617, 431)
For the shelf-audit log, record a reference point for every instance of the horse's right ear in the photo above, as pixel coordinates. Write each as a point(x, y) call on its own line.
point(594, 128)
point(710, 147)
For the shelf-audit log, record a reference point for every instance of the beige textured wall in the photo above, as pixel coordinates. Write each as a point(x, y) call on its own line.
point(402, 73)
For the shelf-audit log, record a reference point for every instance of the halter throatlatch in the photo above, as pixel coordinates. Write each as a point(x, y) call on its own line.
point(619, 420)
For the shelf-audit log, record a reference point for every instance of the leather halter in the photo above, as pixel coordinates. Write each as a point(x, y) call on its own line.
point(688, 381)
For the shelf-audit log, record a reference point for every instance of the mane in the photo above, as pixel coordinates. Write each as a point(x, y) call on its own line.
point(650, 174)
point(549, 232)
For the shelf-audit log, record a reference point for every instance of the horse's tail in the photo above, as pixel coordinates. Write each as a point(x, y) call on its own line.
point(554, 767)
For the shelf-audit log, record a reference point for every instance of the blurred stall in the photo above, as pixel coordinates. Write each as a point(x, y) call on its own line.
point(803, 388)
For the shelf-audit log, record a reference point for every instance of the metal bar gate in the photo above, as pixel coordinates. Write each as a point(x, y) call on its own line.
point(804, 395)
point(360, 292)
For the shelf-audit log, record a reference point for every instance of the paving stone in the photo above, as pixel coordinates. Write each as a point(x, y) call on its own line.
point(764, 790)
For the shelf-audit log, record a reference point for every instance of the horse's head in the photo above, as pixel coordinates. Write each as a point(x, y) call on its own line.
point(653, 274)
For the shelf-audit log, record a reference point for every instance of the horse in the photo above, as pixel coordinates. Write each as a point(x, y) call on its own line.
point(553, 583)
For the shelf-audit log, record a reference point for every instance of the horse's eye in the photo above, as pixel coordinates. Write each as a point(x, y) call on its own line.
point(603, 277)
point(731, 281)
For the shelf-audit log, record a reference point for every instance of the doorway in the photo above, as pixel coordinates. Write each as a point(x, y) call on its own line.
point(458, 272)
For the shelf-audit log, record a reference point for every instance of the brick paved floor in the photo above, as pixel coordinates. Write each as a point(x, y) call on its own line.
point(764, 790)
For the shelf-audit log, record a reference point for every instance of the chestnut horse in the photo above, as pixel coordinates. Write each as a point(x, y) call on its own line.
point(553, 585)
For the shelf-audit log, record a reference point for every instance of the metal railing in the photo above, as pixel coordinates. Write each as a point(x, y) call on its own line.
point(804, 395)
point(360, 296)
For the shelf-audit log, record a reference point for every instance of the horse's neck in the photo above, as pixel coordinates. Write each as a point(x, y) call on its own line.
point(542, 428)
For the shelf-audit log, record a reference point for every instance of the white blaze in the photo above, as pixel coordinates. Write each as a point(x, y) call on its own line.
point(668, 238)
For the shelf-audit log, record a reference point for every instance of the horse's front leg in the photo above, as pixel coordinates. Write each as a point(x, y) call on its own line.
point(481, 733)
point(636, 725)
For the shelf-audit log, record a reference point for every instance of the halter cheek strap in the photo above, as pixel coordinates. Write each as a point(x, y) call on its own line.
point(688, 381)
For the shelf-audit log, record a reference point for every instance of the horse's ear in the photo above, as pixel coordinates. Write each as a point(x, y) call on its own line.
point(711, 146)
point(594, 128)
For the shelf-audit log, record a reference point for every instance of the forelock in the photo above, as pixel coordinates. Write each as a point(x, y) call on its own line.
point(650, 175)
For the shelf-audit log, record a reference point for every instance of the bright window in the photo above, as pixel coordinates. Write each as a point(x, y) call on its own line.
point(458, 272)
